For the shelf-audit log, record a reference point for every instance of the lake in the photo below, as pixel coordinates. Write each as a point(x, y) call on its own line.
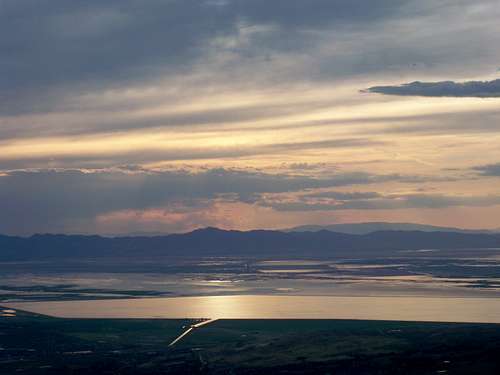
point(452, 309)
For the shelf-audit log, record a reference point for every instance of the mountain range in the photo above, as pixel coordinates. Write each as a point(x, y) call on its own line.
point(370, 227)
point(217, 242)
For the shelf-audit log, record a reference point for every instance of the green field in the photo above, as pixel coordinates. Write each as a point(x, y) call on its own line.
point(34, 344)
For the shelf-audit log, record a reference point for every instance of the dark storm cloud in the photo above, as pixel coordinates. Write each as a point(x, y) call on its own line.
point(77, 45)
point(315, 13)
point(47, 200)
point(49, 41)
point(53, 43)
point(478, 89)
point(492, 170)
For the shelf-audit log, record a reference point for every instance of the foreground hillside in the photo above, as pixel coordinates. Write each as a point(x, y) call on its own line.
point(39, 345)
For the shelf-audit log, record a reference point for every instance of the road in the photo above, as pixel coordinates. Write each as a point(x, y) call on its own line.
point(191, 328)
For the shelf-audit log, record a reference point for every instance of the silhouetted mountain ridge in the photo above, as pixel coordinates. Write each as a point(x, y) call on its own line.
point(218, 242)
point(370, 227)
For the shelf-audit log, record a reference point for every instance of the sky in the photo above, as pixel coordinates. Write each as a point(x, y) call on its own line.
point(134, 116)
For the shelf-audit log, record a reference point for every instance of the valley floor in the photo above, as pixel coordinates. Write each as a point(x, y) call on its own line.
point(36, 344)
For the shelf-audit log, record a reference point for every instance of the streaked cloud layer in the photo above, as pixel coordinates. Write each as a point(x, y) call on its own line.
point(124, 116)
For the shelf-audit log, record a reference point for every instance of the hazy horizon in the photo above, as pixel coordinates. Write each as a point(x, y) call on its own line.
point(347, 225)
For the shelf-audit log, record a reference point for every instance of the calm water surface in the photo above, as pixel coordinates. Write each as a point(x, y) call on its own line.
point(480, 310)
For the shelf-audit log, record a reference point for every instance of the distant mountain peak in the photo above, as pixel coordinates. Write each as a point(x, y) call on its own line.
point(370, 227)
point(208, 230)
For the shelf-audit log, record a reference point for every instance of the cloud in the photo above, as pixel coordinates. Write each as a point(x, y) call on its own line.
point(334, 201)
point(59, 48)
point(269, 84)
point(110, 122)
point(488, 170)
point(94, 40)
point(147, 153)
point(47, 42)
point(344, 196)
point(60, 200)
point(478, 89)
point(448, 123)
point(315, 13)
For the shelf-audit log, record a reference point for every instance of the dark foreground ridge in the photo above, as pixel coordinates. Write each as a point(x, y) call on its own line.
point(217, 242)
point(39, 345)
